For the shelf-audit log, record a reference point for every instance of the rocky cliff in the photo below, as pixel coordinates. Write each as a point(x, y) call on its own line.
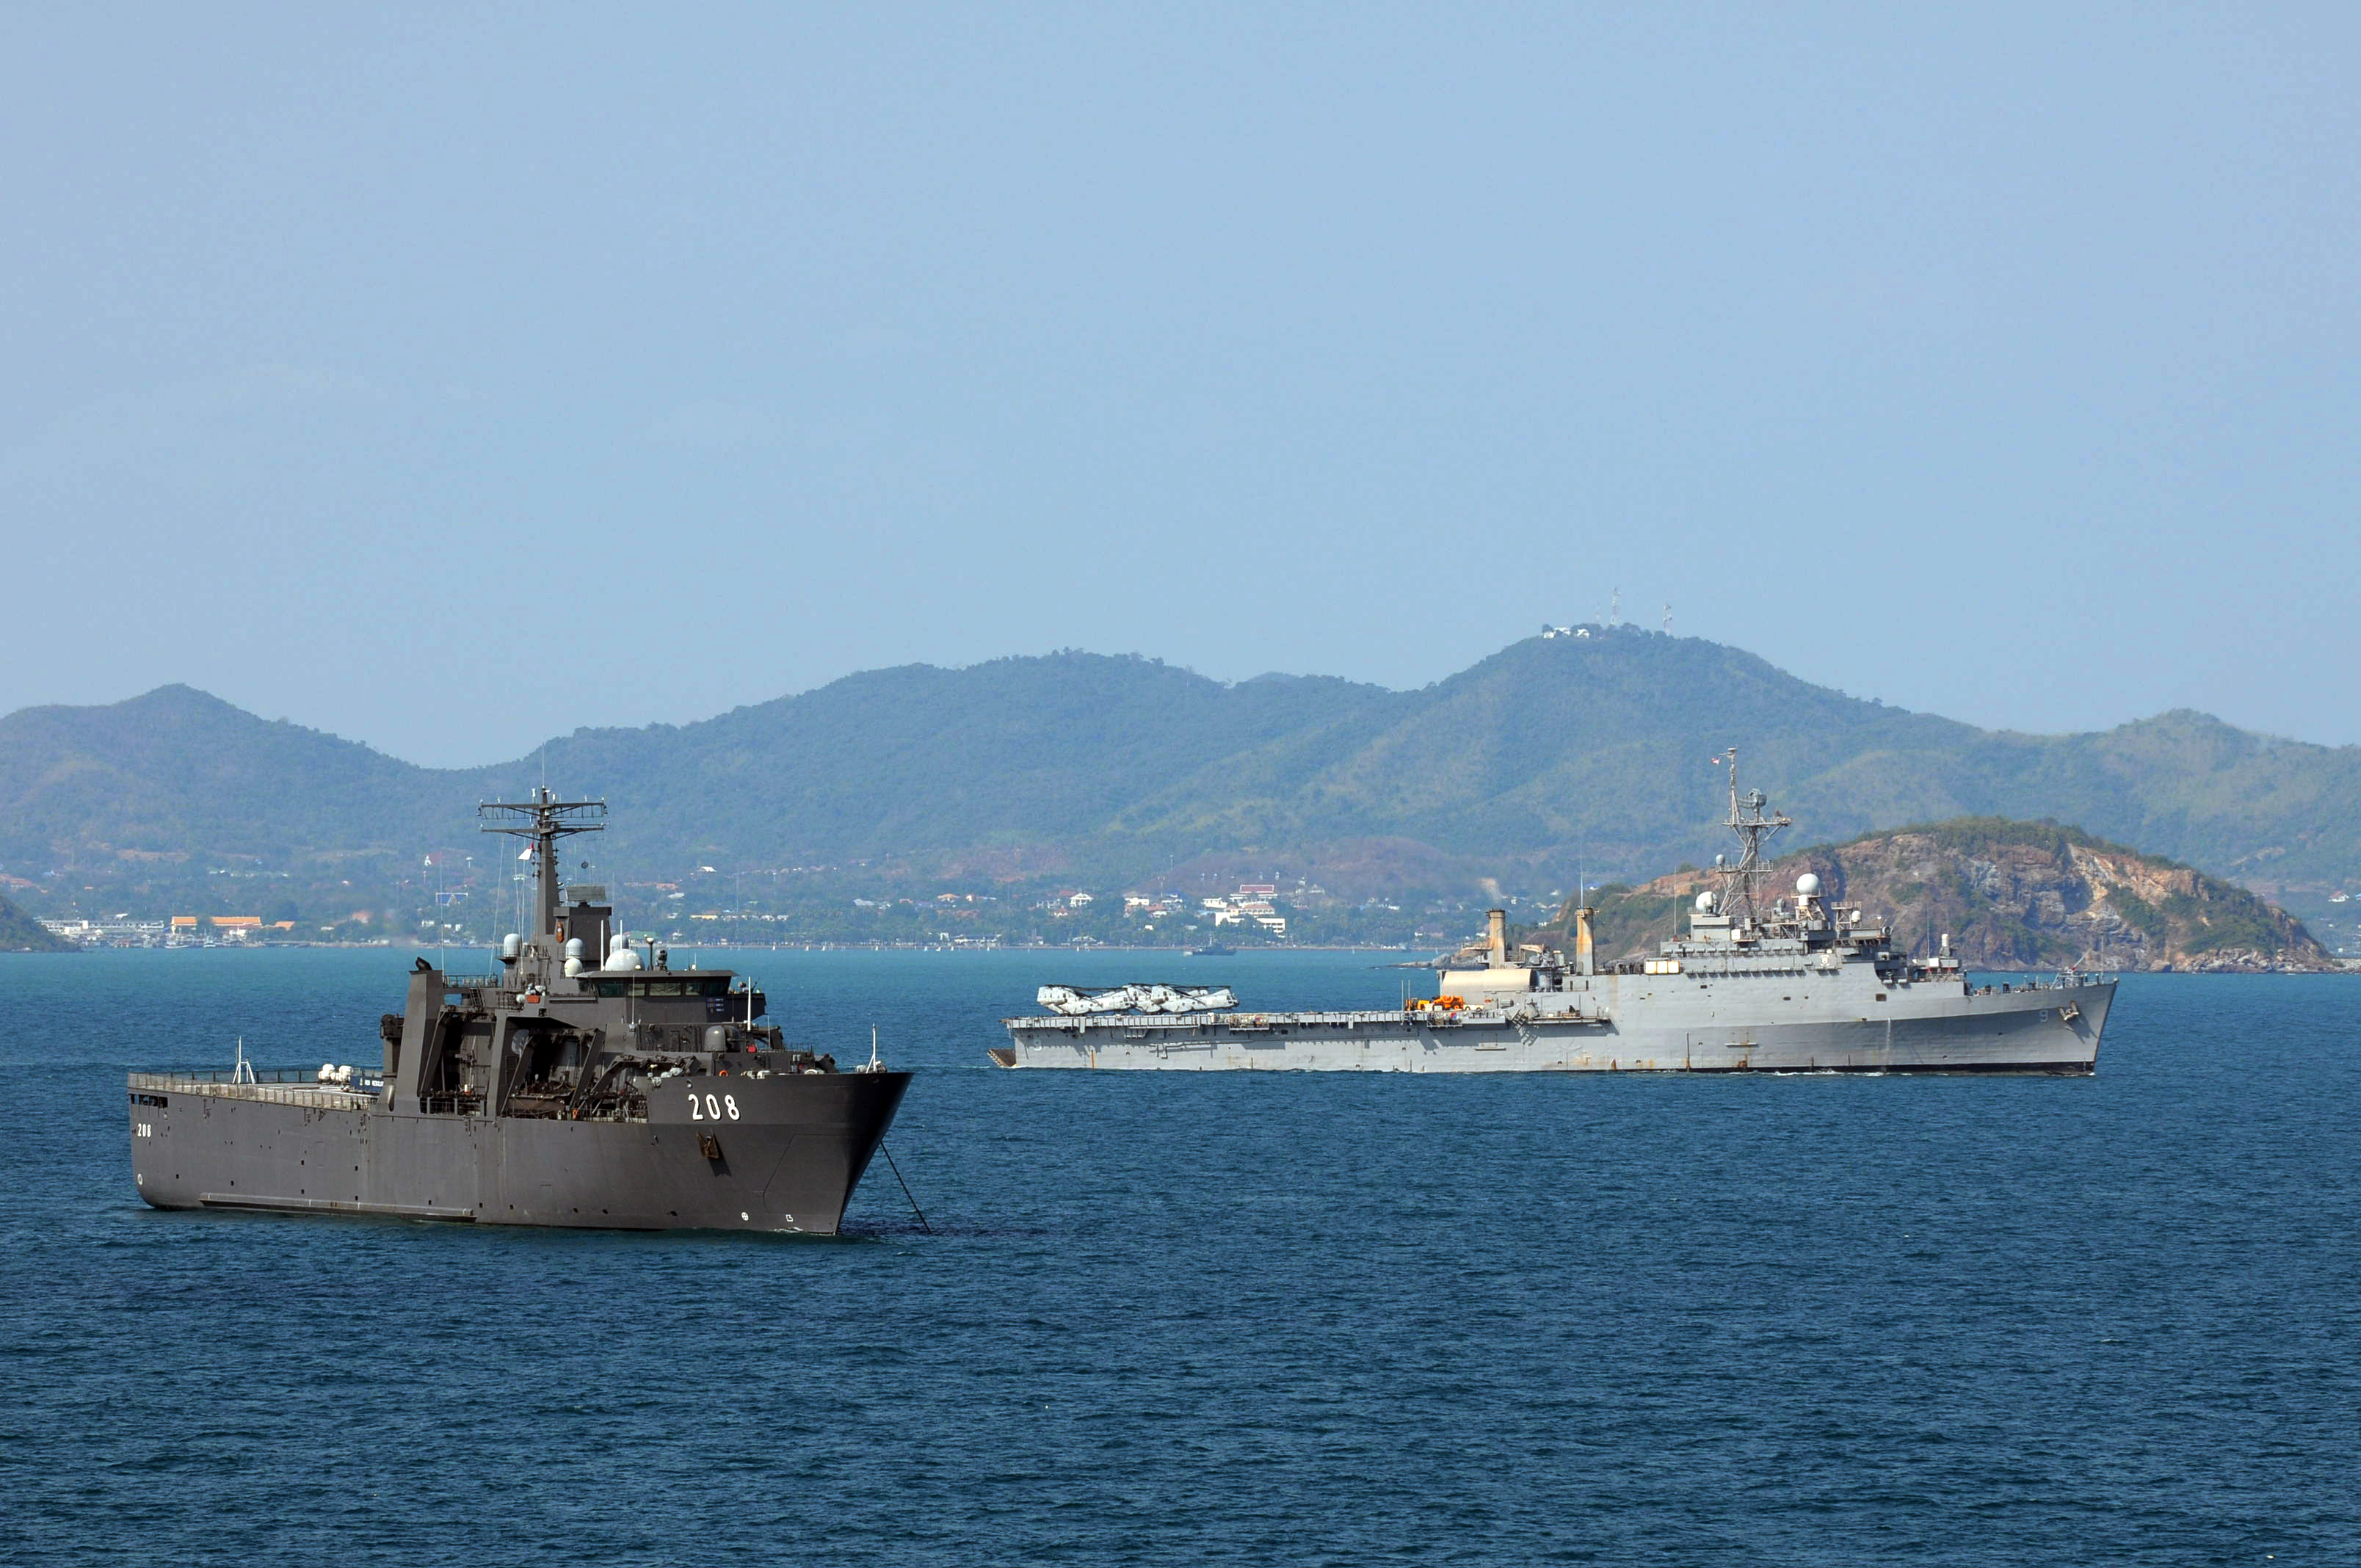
point(2011, 895)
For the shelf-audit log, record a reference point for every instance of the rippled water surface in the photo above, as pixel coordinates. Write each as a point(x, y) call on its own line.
point(1174, 1318)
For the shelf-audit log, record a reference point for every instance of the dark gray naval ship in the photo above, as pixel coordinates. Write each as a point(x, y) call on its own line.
point(1797, 984)
point(580, 1085)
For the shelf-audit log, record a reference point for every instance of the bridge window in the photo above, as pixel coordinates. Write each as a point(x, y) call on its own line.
point(703, 985)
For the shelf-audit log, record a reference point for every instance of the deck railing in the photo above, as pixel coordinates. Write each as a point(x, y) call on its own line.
point(1145, 1022)
point(276, 1086)
point(245, 1072)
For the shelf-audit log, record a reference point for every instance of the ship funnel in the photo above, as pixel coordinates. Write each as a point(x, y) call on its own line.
point(1496, 937)
point(1583, 956)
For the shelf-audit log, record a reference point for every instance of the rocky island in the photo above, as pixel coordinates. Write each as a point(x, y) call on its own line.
point(2011, 895)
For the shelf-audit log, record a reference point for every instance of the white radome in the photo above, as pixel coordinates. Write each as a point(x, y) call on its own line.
point(1705, 902)
point(622, 959)
point(1807, 885)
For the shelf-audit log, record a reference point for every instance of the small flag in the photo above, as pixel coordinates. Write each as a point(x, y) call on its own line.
point(525, 853)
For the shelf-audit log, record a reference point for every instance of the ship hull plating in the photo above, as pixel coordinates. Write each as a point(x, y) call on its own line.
point(2049, 1030)
point(781, 1154)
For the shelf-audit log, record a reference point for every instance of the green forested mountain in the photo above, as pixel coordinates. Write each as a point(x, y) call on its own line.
point(1589, 749)
point(179, 771)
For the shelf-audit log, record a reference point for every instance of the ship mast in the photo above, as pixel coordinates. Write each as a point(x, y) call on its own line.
point(543, 819)
point(1746, 820)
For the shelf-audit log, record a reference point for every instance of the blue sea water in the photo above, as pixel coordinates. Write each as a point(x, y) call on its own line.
point(1172, 1317)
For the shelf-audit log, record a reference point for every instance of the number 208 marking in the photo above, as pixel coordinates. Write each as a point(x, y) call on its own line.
point(706, 1108)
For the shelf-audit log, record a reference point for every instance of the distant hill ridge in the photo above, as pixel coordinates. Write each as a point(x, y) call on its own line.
point(1574, 750)
point(21, 933)
point(2009, 895)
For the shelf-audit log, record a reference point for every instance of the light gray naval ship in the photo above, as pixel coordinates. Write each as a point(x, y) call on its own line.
point(1802, 984)
point(580, 1085)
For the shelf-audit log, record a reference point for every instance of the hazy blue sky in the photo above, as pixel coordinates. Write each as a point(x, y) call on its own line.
point(452, 377)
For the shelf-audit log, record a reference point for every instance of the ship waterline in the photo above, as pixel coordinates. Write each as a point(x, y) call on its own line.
point(788, 1161)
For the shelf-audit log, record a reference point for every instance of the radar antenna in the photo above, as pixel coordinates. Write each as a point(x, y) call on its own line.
point(543, 819)
point(1746, 820)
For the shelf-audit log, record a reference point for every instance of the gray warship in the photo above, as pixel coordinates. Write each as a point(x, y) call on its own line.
point(579, 1085)
point(1801, 984)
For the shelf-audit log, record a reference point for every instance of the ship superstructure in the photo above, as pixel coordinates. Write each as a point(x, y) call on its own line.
point(1800, 983)
point(581, 1084)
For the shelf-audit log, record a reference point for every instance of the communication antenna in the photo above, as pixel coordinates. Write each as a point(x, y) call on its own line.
point(1615, 609)
point(1746, 820)
point(543, 821)
point(1668, 620)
